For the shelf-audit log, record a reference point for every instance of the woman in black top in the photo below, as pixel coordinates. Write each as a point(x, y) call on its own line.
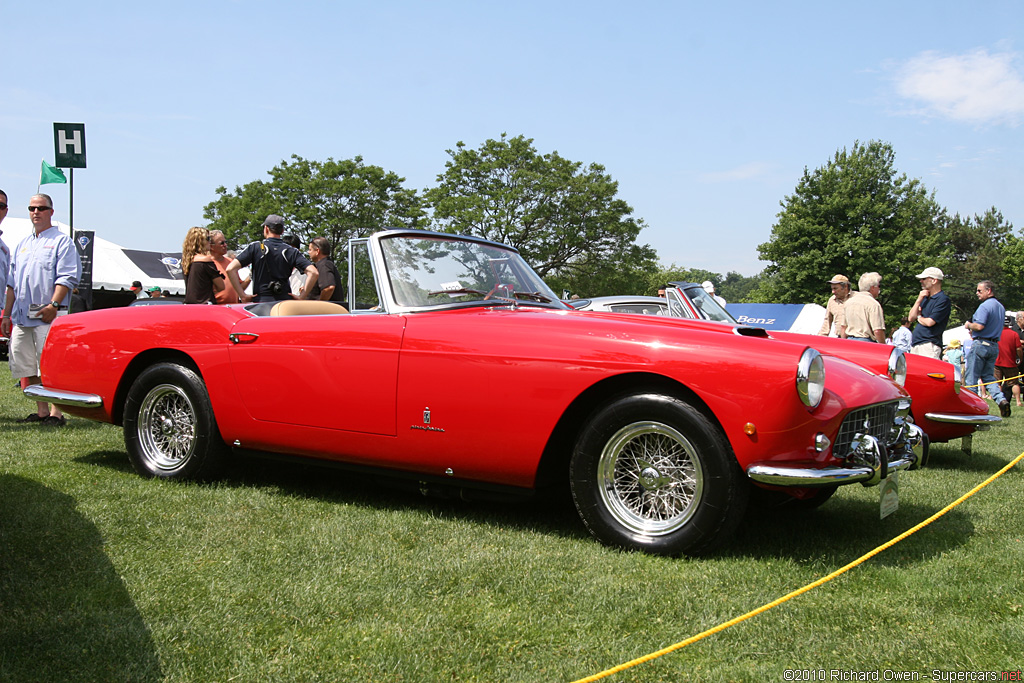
point(202, 277)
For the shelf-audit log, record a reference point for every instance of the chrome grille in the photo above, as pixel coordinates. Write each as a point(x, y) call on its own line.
point(879, 418)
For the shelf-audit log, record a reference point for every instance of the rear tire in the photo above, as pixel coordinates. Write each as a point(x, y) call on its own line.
point(170, 430)
point(652, 473)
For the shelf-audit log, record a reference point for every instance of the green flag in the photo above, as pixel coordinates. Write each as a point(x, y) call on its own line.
point(51, 174)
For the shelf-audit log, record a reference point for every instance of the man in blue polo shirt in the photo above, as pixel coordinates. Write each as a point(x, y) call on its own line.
point(931, 313)
point(986, 327)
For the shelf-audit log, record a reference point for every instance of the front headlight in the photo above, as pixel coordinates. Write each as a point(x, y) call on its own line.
point(810, 378)
point(898, 367)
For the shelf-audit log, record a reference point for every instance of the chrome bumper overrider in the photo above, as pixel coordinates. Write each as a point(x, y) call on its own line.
point(981, 421)
point(37, 392)
point(869, 462)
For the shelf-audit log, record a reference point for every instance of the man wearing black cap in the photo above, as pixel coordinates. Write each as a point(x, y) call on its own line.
point(271, 262)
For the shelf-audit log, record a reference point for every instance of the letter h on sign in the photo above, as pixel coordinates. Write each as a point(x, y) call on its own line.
point(69, 145)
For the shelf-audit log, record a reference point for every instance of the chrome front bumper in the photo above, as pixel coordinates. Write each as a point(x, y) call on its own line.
point(869, 463)
point(37, 392)
point(982, 422)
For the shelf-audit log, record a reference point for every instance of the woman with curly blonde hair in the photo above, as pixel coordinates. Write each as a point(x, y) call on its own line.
point(202, 278)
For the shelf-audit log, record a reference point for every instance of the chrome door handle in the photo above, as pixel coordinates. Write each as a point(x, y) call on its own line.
point(243, 337)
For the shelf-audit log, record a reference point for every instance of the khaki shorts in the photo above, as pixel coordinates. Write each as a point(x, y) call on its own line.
point(26, 346)
point(927, 349)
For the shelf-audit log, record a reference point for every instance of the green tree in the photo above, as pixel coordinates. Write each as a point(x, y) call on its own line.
point(335, 199)
point(983, 248)
point(854, 215)
point(565, 219)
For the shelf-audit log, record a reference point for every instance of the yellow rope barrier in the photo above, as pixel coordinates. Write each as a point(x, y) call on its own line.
point(800, 591)
point(998, 381)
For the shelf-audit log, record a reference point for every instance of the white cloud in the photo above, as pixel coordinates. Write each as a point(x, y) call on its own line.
point(976, 87)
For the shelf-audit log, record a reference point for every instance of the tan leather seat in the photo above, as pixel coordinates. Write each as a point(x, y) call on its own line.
point(306, 307)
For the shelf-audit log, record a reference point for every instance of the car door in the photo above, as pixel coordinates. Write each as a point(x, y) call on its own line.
point(336, 372)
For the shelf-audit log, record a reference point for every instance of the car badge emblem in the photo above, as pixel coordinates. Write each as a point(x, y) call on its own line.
point(425, 427)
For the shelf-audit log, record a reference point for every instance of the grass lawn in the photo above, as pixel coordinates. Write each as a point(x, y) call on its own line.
point(284, 572)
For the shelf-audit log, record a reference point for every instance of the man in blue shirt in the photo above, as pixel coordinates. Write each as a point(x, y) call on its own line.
point(986, 327)
point(931, 312)
point(5, 253)
point(44, 269)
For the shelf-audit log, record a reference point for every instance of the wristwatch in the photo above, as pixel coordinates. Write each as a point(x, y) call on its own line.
point(55, 304)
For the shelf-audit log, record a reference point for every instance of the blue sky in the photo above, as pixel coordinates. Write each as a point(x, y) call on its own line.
point(705, 113)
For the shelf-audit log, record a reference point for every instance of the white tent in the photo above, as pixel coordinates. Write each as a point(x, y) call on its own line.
point(114, 268)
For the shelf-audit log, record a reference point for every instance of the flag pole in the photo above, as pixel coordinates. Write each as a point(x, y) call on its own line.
point(71, 202)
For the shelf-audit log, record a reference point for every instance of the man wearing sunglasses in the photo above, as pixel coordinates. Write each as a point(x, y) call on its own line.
point(986, 327)
point(44, 269)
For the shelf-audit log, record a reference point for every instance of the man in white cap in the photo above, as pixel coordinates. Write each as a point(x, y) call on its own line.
point(931, 312)
point(834, 309)
point(709, 287)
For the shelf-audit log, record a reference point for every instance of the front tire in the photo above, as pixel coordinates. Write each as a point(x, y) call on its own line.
point(170, 430)
point(652, 473)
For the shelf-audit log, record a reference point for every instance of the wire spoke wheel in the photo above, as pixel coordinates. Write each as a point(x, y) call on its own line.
point(650, 472)
point(650, 478)
point(170, 430)
point(167, 427)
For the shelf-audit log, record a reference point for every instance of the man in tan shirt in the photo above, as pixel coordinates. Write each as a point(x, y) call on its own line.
point(863, 317)
point(834, 309)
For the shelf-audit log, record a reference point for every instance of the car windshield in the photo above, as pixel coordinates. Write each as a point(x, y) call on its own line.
point(708, 307)
point(427, 271)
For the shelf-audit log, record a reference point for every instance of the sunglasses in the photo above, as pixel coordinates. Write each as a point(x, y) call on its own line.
point(39, 208)
point(3, 207)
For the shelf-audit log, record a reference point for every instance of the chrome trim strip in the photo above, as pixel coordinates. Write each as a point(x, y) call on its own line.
point(963, 418)
point(37, 392)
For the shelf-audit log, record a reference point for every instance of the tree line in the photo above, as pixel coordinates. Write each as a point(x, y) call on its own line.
point(854, 214)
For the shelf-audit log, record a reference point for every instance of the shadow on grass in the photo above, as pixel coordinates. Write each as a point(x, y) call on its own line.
point(549, 512)
point(950, 457)
point(831, 534)
point(65, 613)
point(843, 529)
point(115, 460)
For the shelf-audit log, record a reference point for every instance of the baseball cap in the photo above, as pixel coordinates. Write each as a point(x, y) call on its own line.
point(275, 223)
point(153, 289)
point(930, 272)
point(839, 280)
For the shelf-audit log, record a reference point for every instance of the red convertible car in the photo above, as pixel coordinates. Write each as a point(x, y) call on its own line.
point(940, 408)
point(454, 365)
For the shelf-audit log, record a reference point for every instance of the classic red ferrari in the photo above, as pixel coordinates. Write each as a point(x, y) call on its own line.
point(454, 365)
point(941, 409)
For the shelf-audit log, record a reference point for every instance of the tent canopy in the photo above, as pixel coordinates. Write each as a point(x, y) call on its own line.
point(114, 268)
